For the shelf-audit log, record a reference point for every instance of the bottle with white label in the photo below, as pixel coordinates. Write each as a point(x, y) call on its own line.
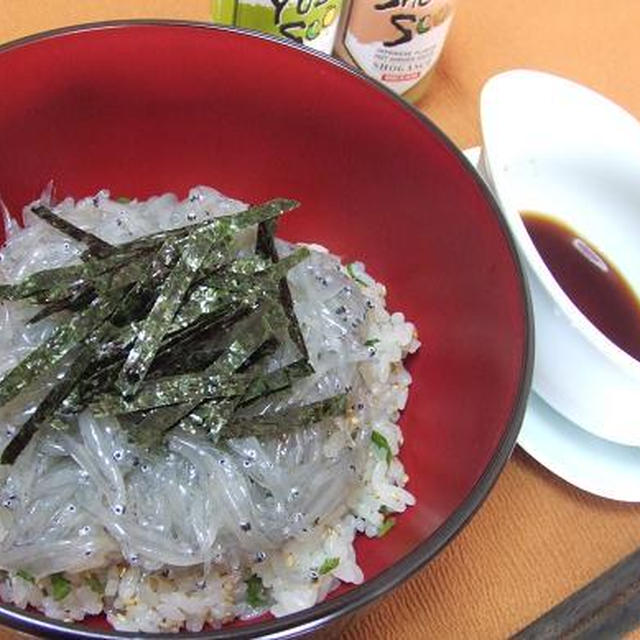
point(396, 42)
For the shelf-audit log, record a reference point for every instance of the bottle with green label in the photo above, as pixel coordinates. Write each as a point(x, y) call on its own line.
point(310, 22)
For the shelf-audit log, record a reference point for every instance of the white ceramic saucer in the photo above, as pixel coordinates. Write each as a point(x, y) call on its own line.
point(593, 464)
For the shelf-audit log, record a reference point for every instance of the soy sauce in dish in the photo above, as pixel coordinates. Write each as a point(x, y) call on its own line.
point(589, 278)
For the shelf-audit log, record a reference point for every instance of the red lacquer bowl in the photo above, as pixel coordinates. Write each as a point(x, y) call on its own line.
point(146, 108)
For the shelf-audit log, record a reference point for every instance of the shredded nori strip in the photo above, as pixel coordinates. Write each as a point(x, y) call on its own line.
point(171, 330)
point(140, 297)
point(167, 302)
point(48, 406)
point(165, 391)
point(75, 302)
point(237, 221)
point(96, 245)
point(150, 431)
point(266, 246)
point(202, 341)
point(109, 357)
point(47, 285)
point(210, 301)
point(45, 357)
point(243, 340)
point(214, 416)
point(215, 381)
point(54, 284)
point(276, 380)
point(270, 424)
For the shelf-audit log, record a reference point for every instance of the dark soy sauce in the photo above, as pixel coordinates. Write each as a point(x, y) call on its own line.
point(594, 285)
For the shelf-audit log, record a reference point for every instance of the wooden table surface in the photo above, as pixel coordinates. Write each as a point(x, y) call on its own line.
point(536, 539)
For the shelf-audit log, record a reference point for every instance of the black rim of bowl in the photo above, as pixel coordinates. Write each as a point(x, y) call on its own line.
point(327, 612)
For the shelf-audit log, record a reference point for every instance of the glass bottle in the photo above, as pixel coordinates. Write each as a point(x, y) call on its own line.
point(310, 22)
point(396, 42)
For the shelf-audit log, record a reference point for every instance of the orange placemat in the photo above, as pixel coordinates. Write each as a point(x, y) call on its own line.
point(19, 18)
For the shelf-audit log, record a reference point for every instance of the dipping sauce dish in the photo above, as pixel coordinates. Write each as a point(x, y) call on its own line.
point(553, 146)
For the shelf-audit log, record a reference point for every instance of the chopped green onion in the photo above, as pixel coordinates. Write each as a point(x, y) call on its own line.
point(123, 200)
point(328, 565)
point(386, 526)
point(371, 342)
point(382, 444)
point(352, 274)
point(60, 587)
point(256, 593)
point(94, 584)
point(25, 575)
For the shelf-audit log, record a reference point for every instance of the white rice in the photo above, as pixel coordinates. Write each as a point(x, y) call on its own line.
point(328, 484)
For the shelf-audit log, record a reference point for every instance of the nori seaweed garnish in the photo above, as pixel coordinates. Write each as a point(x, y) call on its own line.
point(270, 424)
point(97, 246)
point(48, 406)
point(266, 246)
point(276, 380)
point(171, 330)
point(74, 302)
point(237, 221)
point(200, 244)
point(217, 381)
point(45, 357)
point(55, 284)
